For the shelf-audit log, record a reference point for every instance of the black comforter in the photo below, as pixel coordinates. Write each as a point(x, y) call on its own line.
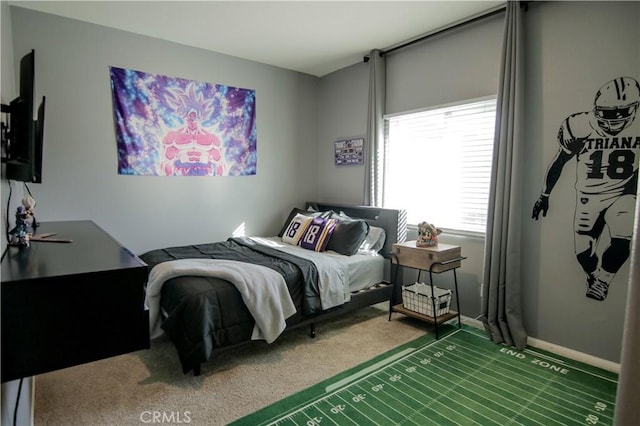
point(206, 313)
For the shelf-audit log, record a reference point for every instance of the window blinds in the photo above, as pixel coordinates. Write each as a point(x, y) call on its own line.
point(438, 164)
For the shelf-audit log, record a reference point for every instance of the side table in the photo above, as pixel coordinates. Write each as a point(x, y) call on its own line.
point(435, 260)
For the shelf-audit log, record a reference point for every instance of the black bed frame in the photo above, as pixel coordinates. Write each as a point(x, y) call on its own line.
point(394, 223)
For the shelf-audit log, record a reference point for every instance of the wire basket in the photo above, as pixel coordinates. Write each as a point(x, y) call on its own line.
point(417, 297)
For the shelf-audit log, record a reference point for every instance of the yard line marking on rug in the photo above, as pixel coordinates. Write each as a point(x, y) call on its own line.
point(550, 356)
point(438, 399)
point(369, 369)
point(441, 395)
point(571, 390)
point(593, 396)
point(541, 355)
point(504, 361)
point(374, 383)
point(463, 378)
point(359, 398)
point(450, 385)
point(376, 366)
point(446, 372)
point(384, 403)
point(334, 388)
point(423, 413)
point(456, 387)
point(576, 388)
point(480, 375)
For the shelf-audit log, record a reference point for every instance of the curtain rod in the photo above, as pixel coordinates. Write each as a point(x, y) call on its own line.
point(459, 24)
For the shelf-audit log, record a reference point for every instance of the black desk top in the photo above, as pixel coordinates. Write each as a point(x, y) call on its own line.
point(91, 250)
point(65, 304)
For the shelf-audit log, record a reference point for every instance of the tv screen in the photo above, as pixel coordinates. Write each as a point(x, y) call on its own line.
point(25, 136)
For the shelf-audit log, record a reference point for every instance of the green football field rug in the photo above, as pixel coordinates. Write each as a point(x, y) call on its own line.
point(461, 379)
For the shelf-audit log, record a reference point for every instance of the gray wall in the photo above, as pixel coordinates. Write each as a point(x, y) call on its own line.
point(343, 115)
point(8, 93)
point(566, 62)
point(458, 65)
point(80, 179)
point(425, 74)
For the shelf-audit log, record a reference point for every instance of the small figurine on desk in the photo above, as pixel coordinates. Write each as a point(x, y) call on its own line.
point(22, 231)
point(427, 235)
point(25, 223)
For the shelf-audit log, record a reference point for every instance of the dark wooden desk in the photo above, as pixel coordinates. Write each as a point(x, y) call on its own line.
point(65, 304)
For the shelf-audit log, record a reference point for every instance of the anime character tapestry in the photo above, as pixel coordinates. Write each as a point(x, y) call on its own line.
point(167, 126)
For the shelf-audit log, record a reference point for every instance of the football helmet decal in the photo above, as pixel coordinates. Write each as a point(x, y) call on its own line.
point(616, 104)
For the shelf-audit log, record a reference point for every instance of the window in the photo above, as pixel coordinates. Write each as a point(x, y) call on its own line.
point(438, 164)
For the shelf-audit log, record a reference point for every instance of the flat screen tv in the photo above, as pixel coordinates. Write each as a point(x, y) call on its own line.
point(23, 139)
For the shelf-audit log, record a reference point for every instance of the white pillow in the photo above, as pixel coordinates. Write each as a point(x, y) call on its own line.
point(374, 241)
point(296, 229)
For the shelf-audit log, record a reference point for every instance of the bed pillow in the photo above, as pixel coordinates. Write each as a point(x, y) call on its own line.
point(348, 234)
point(317, 234)
point(294, 211)
point(374, 241)
point(296, 228)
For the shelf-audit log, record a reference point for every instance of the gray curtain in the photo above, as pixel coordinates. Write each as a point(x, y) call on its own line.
point(501, 293)
point(627, 408)
point(374, 141)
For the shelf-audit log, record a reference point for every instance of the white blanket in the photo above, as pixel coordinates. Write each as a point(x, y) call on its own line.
point(263, 290)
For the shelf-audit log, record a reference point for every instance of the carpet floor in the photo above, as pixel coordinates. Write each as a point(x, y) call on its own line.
point(148, 386)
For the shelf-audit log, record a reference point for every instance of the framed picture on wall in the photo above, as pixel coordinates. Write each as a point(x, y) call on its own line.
point(349, 151)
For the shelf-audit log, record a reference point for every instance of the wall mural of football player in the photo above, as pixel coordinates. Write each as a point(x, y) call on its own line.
point(606, 147)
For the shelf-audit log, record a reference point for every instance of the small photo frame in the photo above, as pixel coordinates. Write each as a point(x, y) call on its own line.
point(349, 151)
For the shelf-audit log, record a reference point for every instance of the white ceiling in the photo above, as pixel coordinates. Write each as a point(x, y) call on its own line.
point(313, 37)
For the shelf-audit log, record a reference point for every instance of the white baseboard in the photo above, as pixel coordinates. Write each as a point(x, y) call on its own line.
point(575, 355)
point(557, 349)
point(25, 400)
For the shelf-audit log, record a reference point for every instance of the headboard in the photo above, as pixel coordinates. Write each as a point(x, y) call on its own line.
point(394, 222)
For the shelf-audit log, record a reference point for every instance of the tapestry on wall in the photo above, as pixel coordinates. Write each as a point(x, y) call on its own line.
point(605, 143)
point(167, 126)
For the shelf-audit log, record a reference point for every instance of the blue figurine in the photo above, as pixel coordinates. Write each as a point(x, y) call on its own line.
point(22, 231)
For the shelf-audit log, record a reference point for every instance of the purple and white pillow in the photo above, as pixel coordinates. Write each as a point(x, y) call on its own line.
point(317, 234)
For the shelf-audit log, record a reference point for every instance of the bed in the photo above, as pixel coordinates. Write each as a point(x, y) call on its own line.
point(327, 260)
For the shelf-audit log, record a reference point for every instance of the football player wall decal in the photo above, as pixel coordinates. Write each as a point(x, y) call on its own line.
point(606, 145)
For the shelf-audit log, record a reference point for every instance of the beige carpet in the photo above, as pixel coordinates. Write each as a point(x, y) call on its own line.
point(148, 387)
